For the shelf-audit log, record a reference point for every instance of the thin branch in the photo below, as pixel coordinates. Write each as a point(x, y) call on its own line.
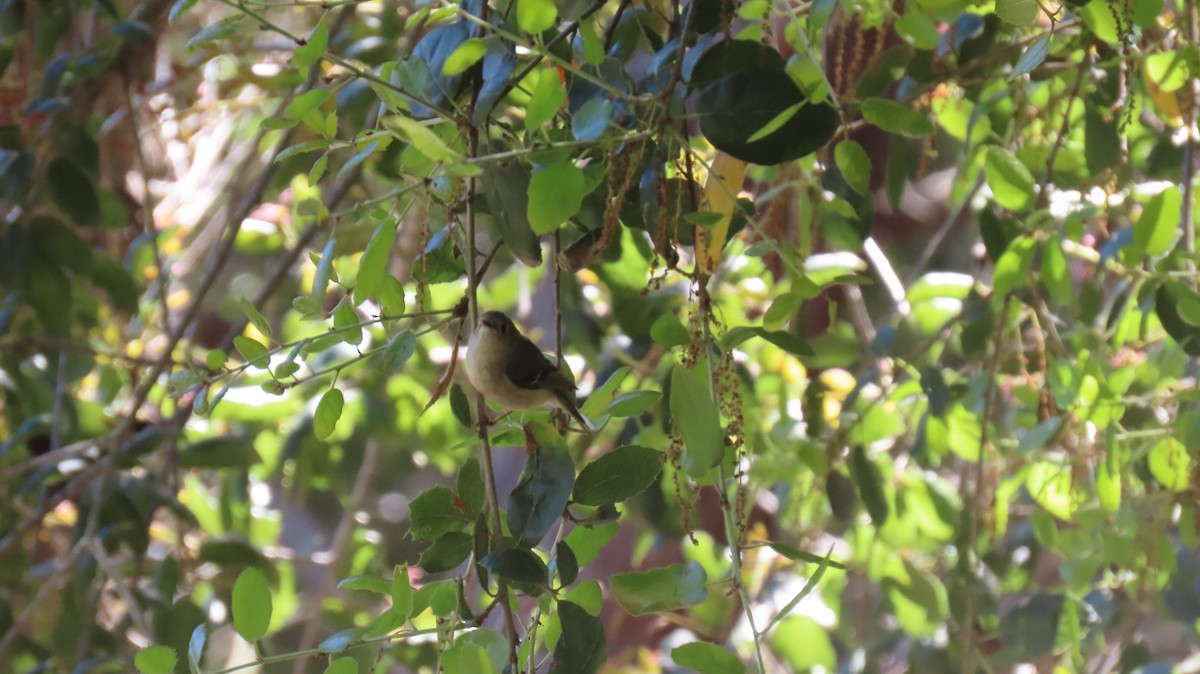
point(1187, 220)
point(485, 448)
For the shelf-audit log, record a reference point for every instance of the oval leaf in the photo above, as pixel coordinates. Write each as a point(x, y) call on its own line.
point(618, 475)
point(517, 564)
point(251, 604)
point(738, 106)
point(329, 410)
point(698, 419)
point(1010, 182)
point(1157, 226)
point(538, 500)
point(555, 194)
point(895, 117)
point(663, 589)
point(582, 648)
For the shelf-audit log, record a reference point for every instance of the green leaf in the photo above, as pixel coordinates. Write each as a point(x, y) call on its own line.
point(1101, 140)
point(346, 323)
point(1017, 12)
point(587, 542)
point(1168, 300)
point(1056, 272)
point(618, 475)
point(329, 410)
point(547, 99)
point(437, 511)
point(593, 44)
point(896, 118)
point(402, 591)
point(798, 555)
point(1170, 464)
point(506, 187)
point(427, 142)
point(1158, 225)
point(460, 406)
point(343, 665)
point(918, 29)
point(803, 644)
point(707, 658)
point(372, 584)
point(324, 272)
point(855, 165)
point(314, 47)
point(466, 55)
point(555, 194)
point(698, 419)
point(220, 30)
point(632, 404)
point(665, 588)
point(251, 604)
point(469, 486)
point(447, 552)
point(517, 564)
point(464, 657)
point(391, 296)
point(1037, 437)
point(253, 351)
point(535, 16)
point(305, 103)
point(1009, 180)
point(784, 340)
point(73, 191)
point(1012, 269)
point(50, 295)
point(870, 485)
point(398, 351)
point(1050, 485)
point(1168, 70)
point(564, 560)
point(61, 244)
point(180, 8)
point(734, 108)
point(1033, 57)
point(374, 264)
point(591, 120)
point(156, 660)
point(669, 331)
point(540, 497)
point(255, 317)
point(219, 452)
point(582, 648)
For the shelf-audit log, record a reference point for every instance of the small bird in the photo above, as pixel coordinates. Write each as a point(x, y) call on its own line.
point(512, 371)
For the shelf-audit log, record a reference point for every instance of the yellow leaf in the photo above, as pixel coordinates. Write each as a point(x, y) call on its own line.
point(720, 196)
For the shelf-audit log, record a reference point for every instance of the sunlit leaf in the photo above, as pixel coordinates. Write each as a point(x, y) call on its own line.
point(662, 589)
point(251, 604)
point(329, 410)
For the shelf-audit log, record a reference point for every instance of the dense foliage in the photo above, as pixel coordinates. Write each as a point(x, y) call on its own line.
point(886, 312)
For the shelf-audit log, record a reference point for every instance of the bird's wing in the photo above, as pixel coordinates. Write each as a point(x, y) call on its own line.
point(530, 369)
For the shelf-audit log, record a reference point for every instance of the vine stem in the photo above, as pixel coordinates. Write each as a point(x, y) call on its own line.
point(485, 447)
point(727, 511)
point(1186, 217)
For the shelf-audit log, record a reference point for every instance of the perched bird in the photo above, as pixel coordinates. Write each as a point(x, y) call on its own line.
point(512, 371)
